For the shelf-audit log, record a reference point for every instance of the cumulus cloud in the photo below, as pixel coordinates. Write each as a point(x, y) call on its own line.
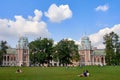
point(32, 26)
point(97, 38)
point(76, 41)
point(37, 17)
point(102, 8)
point(58, 13)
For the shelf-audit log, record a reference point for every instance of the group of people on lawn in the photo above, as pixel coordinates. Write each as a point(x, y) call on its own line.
point(84, 74)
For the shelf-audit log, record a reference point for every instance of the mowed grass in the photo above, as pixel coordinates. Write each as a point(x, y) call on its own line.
point(60, 73)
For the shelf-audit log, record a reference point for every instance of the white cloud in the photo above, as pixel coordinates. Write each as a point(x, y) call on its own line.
point(37, 17)
point(58, 13)
point(33, 26)
point(97, 38)
point(102, 8)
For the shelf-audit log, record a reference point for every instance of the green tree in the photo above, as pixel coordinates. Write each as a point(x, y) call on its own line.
point(47, 45)
point(33, 50)
point(3, 47)
point(117, 57)
point(66, 52)
point(111, 41)
point(41, 51)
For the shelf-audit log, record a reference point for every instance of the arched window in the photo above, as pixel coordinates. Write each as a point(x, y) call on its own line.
point(82, 59)
point(14, 58)
point(7, 58)
point(102, 60)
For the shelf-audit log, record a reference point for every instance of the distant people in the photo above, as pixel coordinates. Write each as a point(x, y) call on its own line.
point(80, 66)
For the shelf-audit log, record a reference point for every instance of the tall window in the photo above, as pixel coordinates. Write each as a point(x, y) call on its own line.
point(14, 58)
point(24, 58)
point(7, 58)
point(82, 59)
point(24, 51)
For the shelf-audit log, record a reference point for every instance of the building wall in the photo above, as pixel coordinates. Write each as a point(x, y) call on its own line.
point(9, 60)
point(87, 58)
point(87, 54)
point(20, 55)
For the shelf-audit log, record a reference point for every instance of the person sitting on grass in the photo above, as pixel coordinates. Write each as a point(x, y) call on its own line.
point(85, 74)
point(18, 71)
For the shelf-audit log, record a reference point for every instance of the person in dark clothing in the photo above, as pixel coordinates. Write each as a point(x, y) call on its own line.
point(85, 74)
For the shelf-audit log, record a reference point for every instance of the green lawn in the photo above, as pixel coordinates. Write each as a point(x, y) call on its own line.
point(60, 73)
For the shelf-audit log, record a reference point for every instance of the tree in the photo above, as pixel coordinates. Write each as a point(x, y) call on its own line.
point(111, 41)
point(33, 50)
point(66, 52)
point(41, 51)
point(117, 57)
point(47, 45)
point(3, 47)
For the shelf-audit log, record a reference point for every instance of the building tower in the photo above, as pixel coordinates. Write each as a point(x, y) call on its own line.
point(22, 52)
point(85, 51)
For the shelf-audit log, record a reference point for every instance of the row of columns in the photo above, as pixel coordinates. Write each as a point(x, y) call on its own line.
point(98, 60)
point(94, 60)
point(9, 58)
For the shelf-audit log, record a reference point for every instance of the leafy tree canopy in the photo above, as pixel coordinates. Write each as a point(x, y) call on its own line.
point(111, 44)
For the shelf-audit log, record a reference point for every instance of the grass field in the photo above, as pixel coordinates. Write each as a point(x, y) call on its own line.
point(60, 73)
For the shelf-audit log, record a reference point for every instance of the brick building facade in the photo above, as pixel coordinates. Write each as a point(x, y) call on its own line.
point(18, 56)
point(89, 55)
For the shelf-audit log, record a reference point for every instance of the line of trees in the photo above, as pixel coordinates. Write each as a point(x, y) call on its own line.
point(44, 50)
point(3, 47)
point(66, 51)
point(112, 48)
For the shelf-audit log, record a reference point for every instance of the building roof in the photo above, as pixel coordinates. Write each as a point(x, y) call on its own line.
point(85, 38)
point(99, 52)
point(85, 44)
point(11, 51)
point(23, 43)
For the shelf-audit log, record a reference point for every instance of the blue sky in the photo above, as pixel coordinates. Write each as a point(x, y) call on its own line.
point(59, 19)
